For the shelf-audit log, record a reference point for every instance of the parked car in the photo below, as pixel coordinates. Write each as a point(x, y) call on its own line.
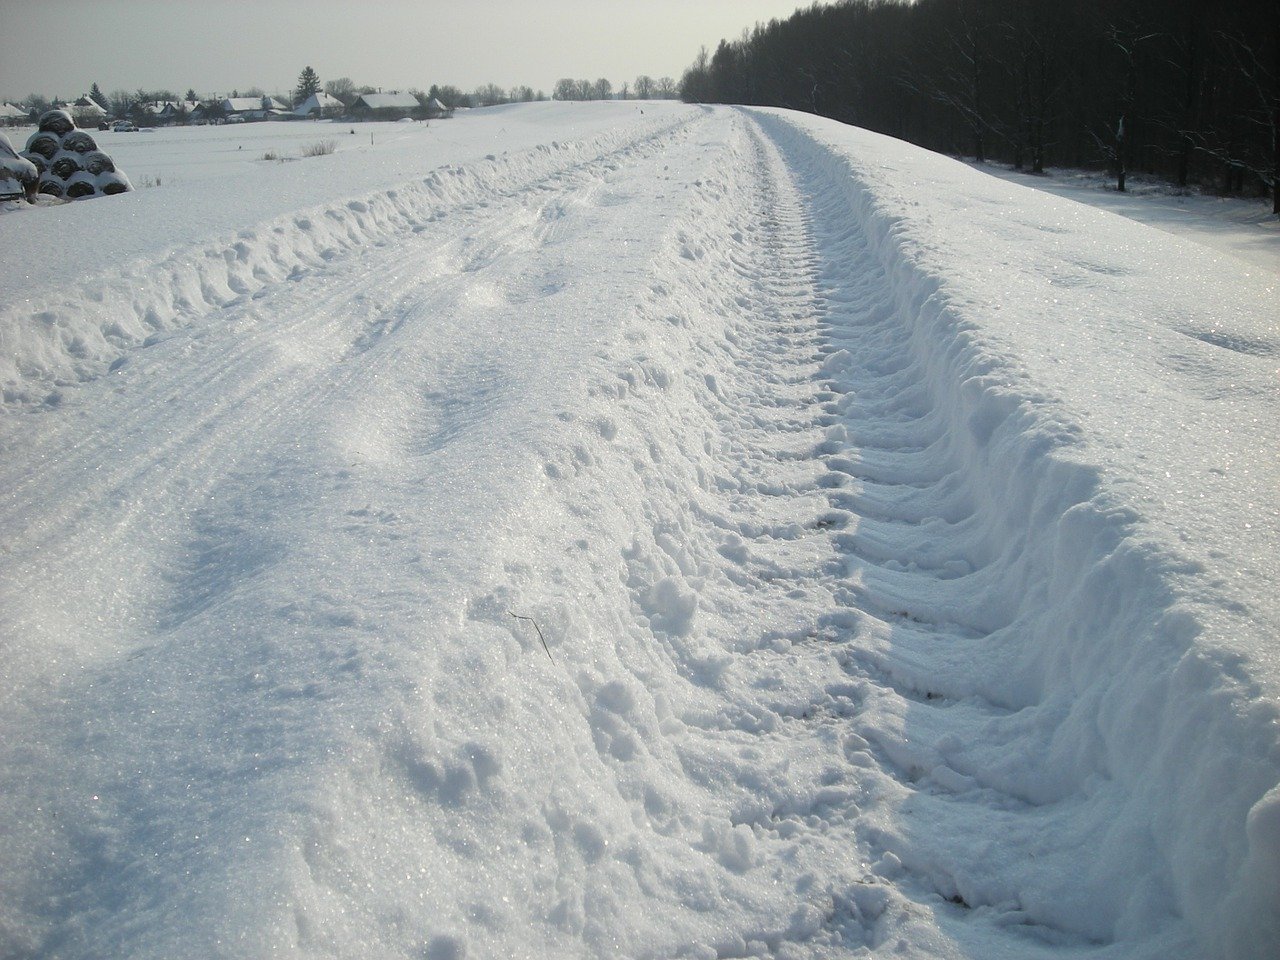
point(124, 126)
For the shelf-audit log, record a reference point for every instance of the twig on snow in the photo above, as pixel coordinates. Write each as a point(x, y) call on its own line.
point(540, 636)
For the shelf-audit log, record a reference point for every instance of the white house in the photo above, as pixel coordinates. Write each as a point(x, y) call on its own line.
point(85, 110)
point(253, 108)
point(390, 105)
point(11, 114)
point(320, 104)
point(170, 111)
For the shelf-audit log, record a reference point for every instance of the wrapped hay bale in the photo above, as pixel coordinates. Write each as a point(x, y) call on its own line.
point(77, 141)
point(97, 162)
point(57, 122)
point(65, 163)
point(81, 186)
point(113, 182)
point(36, 160)
point(52, 185)
point(44, 143)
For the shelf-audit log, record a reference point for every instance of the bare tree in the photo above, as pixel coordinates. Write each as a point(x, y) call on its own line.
point(488, 95)
point(341, 89)
point(1259, 84)
point(120, 103)
point(1126, 41)
point(449, 95)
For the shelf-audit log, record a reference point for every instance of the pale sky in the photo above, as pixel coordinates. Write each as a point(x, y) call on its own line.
point(61, 47)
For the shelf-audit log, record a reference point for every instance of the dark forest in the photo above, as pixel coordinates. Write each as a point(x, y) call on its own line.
point(1184, 89)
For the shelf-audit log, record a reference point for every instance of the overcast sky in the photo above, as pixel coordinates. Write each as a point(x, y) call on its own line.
point(60, 47)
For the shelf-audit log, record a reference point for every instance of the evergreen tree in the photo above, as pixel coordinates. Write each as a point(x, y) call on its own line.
point(308, 83)
point(98, 97)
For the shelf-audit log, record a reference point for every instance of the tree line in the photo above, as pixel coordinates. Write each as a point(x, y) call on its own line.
point(1186, 89)
point(644, 88)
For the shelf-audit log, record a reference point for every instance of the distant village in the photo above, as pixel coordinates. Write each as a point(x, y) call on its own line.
point(338, 99)
point(88, 112)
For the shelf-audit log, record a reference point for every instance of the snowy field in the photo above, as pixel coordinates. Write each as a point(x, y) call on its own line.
point(903, 542)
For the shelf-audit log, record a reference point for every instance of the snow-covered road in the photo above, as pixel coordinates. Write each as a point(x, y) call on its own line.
point(903, 543)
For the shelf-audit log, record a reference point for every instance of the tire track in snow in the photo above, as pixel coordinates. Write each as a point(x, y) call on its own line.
point(978, 795)
point(909, 559)
point(867, 386)
point(828, 475)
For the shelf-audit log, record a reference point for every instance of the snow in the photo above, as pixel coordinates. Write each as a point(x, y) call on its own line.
point(1240, 226)
point(903, 541)
point(14, 167)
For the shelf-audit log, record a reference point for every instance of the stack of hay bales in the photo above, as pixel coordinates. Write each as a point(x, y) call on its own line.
point(69, 162)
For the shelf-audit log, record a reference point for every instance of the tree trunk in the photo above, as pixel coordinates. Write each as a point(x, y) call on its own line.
point(1120, 169)
point(1275, 122)
point(1275, 167)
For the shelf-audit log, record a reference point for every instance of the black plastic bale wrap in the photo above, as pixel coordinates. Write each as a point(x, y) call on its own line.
point(52, 186)
point(78, 141)
point(112, 182)
point(98, 162)
point(41, 163)
point(65, 164)
point(44, 143)
point(81, 186)
point(56, 121)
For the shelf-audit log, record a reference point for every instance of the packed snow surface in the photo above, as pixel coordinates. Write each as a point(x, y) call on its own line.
point(903, 542)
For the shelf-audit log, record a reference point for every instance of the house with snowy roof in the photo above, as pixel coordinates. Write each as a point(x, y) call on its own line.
point(386, 106)
point(166, 112)
point(253, 108)
point(85, 110)
point(11, 114)
point(320, 104)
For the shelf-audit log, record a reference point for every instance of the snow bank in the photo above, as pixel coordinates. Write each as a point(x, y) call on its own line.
point(1109, 395)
